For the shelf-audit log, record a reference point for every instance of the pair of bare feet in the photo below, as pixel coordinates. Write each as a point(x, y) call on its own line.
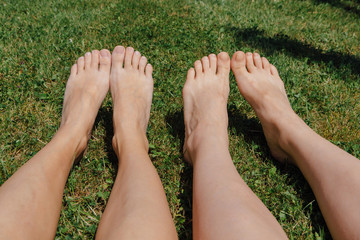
point(130, 78)
point(206, 92)
point(205, 95)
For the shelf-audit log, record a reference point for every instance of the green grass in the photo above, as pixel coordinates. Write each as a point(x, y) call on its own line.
point(315, 44)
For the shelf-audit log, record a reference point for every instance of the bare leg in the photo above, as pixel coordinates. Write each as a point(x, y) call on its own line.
point(137, 207)
point(30, 200)
point(333, 174)
point(224, 207)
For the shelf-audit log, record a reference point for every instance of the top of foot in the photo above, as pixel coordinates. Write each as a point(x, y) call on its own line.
point(205, 94)
point(261, 85)
point(131, 89)
point(86, 89)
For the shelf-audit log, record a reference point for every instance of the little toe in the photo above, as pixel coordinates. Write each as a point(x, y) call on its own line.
point(190, 74)
point(87, 60)
point(105, 60)
point(148, 71)
point(213, 61)
point(117, 58)
point(81, 64)
point(257, 60)
point(198, 68)
point(136, 59)
point(238, 62)
point(223, 63)
point(265, 64)
point(129, 52)
point(73, 70)
point(95, 59)
point(142, 64)
point(250, 62)
point(273, 70)
point(205, 64)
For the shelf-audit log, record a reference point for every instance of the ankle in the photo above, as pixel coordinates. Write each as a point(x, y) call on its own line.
point(204, 136)
point(129, 138)
point(77, 138)
point(289, 131)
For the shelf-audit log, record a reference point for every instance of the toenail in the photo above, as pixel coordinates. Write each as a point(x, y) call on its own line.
point(103, 54)
point(137, 53)
point(256, 55)
point(249, 53)
point(238, 57)
point(87, 54)
point(223, 56)
point(122, 50)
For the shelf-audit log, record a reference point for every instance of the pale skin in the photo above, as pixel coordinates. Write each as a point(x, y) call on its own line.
point(224, 207)
point(332, 173)
point(30, 200)
point(137, 207)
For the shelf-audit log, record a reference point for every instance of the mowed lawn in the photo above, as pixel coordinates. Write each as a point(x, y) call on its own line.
point(315, 44)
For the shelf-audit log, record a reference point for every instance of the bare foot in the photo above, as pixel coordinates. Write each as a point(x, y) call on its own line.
point(260, 84)
point(131, 89)
point(86, 89)
point(205, 94)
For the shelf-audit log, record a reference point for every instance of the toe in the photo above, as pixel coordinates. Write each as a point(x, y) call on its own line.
point(136, 59)
point(198, 68)
point(257, 60)
point(87, 60)
point(148, 71)
point(250, 62)
point(142, 64)
point(273, 70)
point(238, 62)
point(205, 64)
point(223, 63)
point(95, 59)
point(73, 70)
point(129, 52)
point(80, 64)
point(105, 60)
point(212, 60)
point(117, 57)
point(265, 64)
point(190, 74)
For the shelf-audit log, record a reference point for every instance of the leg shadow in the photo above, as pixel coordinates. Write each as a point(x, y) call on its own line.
point(105, 116)
point(175, 123)
point(349, 6)
point(252, 131)
point(334, 60)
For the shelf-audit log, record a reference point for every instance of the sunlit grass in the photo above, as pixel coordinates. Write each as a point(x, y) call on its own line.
point(314, 44)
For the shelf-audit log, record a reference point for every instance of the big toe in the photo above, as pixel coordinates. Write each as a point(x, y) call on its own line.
point(223, 67)
point(117, 58)
point(238, 63)
point(105, 60)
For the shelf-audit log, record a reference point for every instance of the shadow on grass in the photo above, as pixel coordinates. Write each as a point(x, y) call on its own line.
point(352, 7)
point(283, 43)
point(105, 115)
point(175, 121)
point(252, 131)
